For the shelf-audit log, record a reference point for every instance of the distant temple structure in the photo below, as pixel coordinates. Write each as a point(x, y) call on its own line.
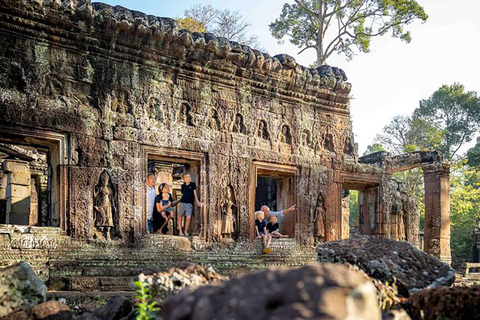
point(94, 97)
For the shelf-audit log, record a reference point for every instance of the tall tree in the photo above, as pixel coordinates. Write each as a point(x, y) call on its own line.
point(454, 112)
point(473, 155)
point(464, 204)
point(330, 26)
point(223, 23)
point(406, 134)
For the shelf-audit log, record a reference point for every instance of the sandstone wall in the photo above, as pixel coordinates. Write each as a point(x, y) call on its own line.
point(122, 86)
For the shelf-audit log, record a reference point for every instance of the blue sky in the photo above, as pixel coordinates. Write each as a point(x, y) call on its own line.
point(394, 76)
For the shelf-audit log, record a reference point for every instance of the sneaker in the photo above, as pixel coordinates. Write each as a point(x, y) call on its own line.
point(268, 250)
point(265, 250)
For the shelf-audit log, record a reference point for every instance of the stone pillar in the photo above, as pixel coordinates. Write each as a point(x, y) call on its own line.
point(437, 210)
point(345, 232)
point(17, 192)
point(333, 205)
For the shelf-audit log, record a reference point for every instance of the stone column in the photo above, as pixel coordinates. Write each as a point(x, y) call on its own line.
point(17, 192)
point(437, 210)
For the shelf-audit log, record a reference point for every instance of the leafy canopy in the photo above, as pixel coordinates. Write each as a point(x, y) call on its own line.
point(453, 112)
point(330, 26)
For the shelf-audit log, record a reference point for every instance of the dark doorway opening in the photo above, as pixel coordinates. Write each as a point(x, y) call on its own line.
point(275, 188)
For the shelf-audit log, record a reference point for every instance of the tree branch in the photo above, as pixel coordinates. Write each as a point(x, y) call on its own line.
point(307, 47)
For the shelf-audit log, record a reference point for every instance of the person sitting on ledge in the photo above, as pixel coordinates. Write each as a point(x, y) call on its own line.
point(261, 231)
point(274, 228)
point(278, 214)
point(163, 202)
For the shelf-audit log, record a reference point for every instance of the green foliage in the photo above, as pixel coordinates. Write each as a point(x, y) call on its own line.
point(464, 204)
point(372, 148)
point(444, 122)
point(473, 155)
point(353, 221)
point(341, 25)
point(146, 309)
point(454, 113)
point(99, 301)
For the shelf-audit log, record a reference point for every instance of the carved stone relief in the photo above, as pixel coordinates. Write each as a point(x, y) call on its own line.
point(285, 135)
point(262, 131)
point(230, 223)
point(238, 126)
point(105, 208)
point(212, 121)
point(320, 219)
point(184, 114)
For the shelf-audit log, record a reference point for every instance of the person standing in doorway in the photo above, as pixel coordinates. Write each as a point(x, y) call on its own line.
point(151, 194)
point(189, 196)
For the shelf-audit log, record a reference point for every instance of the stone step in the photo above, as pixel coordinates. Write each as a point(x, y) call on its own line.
point(11, 228)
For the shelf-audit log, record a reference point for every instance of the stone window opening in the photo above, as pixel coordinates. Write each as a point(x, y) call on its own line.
point(25, 189)
point(32, 178)
point(275, 186)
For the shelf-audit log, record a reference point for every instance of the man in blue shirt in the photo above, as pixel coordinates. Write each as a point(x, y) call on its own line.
point(278, 214)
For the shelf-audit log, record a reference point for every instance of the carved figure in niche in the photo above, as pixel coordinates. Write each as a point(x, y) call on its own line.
point(183, 115)
point(238, 125)
point(328, 142)
point(319, 221)
point(104, 205)
point(120, 104)
point(348, 149)
point(156, 109)
point(213, 122)
point(229, 219)
point(285, 136)
point(262, 131)
point(305, 139)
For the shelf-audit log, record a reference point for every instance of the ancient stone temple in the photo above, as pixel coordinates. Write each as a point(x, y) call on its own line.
point(94, 97)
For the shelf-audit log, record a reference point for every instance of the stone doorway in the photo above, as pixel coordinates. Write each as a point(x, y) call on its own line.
point(170, 169)
point(351, 207)
point(275, 186)
point(364, 220)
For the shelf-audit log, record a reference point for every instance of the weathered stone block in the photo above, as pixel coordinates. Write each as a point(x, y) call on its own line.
point(19, 192)
point(21, 289)
point(20, 178)
point(324, 291)
point(16, 166)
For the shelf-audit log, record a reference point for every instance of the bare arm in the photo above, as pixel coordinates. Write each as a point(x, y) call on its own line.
point(175, 203)
point(160, 208)
point(292, 208)
point(258, 233)
point(199, 204)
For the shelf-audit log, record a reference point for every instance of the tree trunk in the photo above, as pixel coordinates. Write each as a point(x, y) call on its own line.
point(319, 49)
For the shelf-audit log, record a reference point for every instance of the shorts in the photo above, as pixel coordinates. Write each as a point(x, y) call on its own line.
point(185, 209)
